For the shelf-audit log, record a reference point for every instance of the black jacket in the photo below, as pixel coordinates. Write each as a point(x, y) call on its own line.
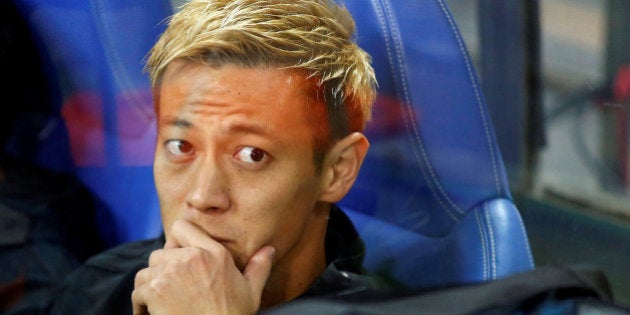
point(103, 285)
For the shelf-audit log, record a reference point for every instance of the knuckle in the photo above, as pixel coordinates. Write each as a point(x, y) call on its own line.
point(153, 257)
point(171, 269)
point(157, 285)
point(135, 295)
point(139, 278)
point(222, 252)
point(195, 253)
point(220, 255)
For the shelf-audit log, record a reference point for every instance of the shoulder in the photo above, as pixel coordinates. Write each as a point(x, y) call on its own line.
point(124, 257)
point(547, 290)
point(103, 285)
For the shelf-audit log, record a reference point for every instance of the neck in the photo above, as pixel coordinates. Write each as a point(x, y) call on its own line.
point(295, 273)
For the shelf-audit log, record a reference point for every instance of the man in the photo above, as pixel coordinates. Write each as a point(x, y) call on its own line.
point(260, 109)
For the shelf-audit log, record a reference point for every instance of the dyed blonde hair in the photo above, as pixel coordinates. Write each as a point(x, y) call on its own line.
point(313, 35)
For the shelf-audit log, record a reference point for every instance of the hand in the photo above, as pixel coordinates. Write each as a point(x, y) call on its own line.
point(195, 274)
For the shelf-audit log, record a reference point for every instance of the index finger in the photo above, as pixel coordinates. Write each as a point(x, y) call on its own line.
point(138, 304)
point(187, 234)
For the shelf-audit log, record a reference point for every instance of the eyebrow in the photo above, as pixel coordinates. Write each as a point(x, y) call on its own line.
point(240, 128)
point(179, 122)
point(246, 129)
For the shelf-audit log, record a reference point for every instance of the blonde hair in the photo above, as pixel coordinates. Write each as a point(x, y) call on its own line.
point(314, 35)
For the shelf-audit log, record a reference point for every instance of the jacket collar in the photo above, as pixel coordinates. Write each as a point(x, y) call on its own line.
point(344, 256)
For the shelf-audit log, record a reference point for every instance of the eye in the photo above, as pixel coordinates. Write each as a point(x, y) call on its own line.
point(250, 155)
point(179, 148)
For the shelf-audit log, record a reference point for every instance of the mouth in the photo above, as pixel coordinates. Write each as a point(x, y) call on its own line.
point(220, 239)
point(208, 227)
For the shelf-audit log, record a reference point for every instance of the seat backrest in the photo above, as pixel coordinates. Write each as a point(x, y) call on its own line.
point(431, 202)
point(103, 125)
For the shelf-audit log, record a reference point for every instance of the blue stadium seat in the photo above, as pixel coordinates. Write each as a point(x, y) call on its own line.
point(103, 126)
point(432, 201)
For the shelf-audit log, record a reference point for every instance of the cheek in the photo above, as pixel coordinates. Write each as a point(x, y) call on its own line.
point(282, 210)
point(170, 189)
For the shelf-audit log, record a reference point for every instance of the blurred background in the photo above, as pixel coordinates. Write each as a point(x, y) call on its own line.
point(556, 77)
point(555, 74)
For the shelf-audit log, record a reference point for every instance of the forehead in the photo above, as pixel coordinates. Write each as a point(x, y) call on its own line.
point(228, 80)
point(280, 100)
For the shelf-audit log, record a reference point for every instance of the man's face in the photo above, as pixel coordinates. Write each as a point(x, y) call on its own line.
point(235, 156)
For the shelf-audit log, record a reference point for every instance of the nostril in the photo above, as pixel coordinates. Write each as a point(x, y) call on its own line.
point(211, 209)
point(217, 205)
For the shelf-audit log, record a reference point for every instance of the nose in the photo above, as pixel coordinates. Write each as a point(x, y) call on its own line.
point(209, 191)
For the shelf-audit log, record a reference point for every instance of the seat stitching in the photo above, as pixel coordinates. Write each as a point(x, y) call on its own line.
point(384, 28)
point(471, 77)
point(493, 253)
point(114, 60)
point(483, 244)
point(401, 70)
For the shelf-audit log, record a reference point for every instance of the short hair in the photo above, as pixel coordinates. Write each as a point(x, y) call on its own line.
point(313, 35)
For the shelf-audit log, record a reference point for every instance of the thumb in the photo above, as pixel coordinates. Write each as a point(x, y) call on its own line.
point(258, 269)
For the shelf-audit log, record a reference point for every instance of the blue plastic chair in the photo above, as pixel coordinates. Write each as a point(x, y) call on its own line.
point(431, 202)
point(103, 126)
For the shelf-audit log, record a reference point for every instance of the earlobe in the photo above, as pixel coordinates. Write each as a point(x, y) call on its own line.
point(342, 166)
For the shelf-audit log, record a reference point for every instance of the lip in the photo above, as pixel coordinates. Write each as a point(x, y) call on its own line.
point(220, 239)
point(205, 224)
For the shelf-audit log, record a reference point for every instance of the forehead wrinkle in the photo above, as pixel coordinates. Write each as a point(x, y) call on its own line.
point(238, 128)
point(246, 128)
point(175, 121)
point(227, 127)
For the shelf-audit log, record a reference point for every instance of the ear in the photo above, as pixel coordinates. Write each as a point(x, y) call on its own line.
point(341, 166)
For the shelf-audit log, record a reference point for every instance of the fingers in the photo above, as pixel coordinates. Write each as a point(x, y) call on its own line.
point(158, 257)
point(137, 300)
point(139, 294)
point(187, 234)
point(145, 275)
point(161, 256)
point(198, 268)
point(258, 269)
point(256, 272)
